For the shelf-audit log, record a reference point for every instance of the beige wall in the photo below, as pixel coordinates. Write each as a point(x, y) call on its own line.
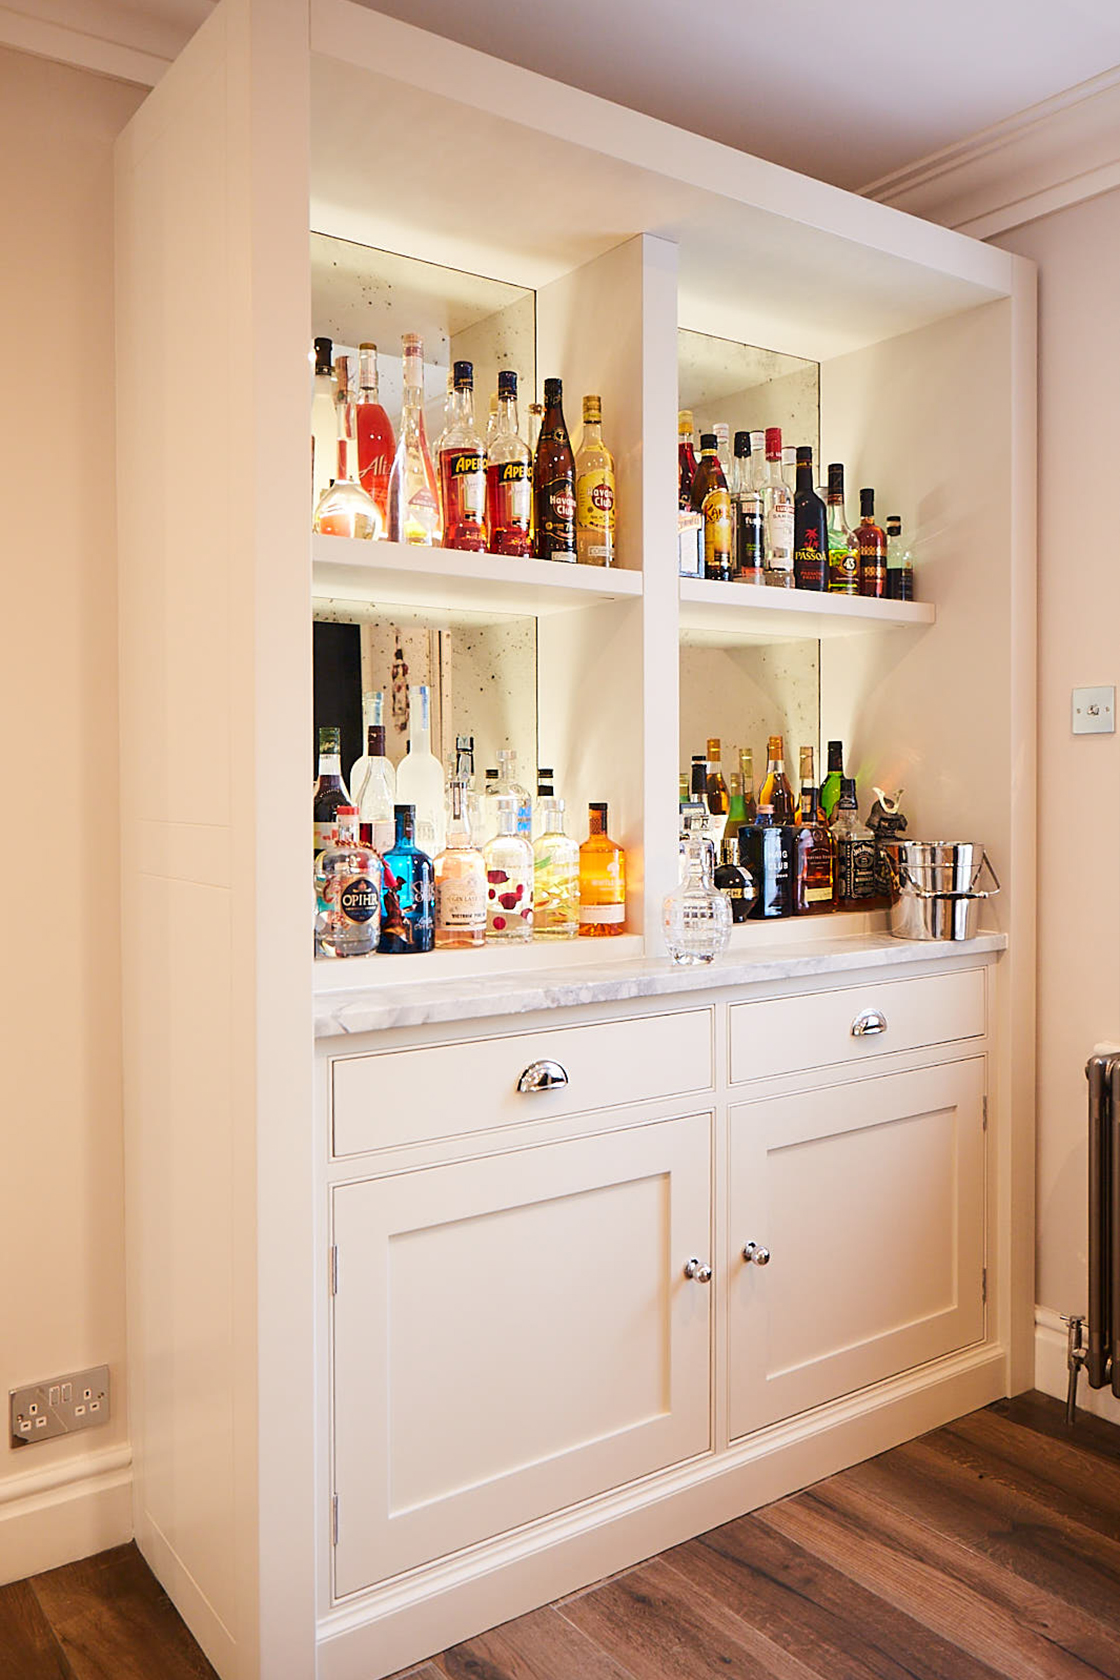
point(61, 1238)
point(1078, 254)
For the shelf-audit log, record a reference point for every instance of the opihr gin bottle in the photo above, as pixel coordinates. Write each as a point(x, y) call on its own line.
point(462, 468)
point(351, 891)
point(509, 877)
point(509, 477)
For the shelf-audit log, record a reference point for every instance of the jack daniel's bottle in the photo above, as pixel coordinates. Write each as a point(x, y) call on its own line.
point(554, 481)
point(855, 850)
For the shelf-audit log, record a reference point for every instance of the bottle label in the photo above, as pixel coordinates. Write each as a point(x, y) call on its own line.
point(855, 868)
point(779, 530)
point(717, 532)
point(324, 835)
point(461, 903)
point(509, 495)
point(809, 562)
point(843, 567)
point(750, 542)
point(556, 521)
point(595, 500)
point(359, 899)
point(592, 913)
point(464, 488)
point(509, 900)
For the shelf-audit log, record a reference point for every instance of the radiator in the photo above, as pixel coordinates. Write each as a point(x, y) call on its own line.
point(1096, 1347)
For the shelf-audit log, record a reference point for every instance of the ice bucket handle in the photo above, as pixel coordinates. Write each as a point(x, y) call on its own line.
point(973, 892)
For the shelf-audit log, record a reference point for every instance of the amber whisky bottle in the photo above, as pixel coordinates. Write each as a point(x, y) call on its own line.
point(554, 481)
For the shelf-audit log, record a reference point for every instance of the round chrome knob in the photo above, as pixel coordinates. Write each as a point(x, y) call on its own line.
point(756, 1255)
point(697, 1271)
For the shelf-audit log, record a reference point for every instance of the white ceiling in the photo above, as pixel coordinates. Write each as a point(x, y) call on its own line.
point(847, 92)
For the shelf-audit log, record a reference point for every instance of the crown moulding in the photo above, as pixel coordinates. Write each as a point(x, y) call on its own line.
point(1051, 155)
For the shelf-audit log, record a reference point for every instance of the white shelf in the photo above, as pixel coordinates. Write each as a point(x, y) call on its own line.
point(747, 612)
point(451, 580)
point(544, 956)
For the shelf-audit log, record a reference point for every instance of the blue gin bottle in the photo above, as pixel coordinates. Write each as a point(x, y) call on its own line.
point(408, 893)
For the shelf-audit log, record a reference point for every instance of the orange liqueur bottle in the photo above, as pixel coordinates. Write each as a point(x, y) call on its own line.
point(602, 880)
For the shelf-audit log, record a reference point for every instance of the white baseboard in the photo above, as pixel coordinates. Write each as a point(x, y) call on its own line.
point(67, 1511)
point(1050, 1373)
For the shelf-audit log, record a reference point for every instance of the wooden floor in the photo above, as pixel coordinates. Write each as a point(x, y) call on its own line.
point(987, 1549)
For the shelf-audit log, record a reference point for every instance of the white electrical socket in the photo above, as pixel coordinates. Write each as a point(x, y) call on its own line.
point(59, 1406)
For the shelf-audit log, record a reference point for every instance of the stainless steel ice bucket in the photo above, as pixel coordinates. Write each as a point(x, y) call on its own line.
point(938, 888)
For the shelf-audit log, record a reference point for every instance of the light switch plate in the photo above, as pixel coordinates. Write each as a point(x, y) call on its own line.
point(59, 1406)
point(1094, 711)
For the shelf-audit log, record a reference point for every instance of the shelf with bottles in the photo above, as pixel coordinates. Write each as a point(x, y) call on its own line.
point(725, 612)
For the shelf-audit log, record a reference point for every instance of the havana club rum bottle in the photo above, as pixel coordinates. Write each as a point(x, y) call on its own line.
point(554, 481)
point(509, 476)
point(413, 497)
point(595, 507)
point(462, 469)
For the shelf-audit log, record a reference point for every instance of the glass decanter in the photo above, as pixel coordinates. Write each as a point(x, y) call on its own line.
point(696, 916)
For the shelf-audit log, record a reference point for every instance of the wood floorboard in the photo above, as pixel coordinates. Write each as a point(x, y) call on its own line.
point(986, 1550)
point(115, 1622)
point(28, 1647)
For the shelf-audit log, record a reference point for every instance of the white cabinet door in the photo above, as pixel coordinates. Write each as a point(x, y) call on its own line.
point(870, 1200)
point(514, 1334)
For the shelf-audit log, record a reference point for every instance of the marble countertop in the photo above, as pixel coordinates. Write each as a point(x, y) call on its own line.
point(374, 1008)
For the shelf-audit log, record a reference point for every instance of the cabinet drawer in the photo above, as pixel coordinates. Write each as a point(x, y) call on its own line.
point(819, 1029)
point(415, 1096)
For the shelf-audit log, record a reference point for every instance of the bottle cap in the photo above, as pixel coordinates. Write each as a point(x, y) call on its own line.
point(894, 525)
point(847, 787)
point(464, 376)
point(598, 805)
point(731, 848)
point(323, 351)
point(685, 423)
point(804, 455)
point(330, 738)
point(491, 775)
point(407, 811)
point(347, 811)
point(412, 344)
point(592, 410)
point(367, 346)
point(375, 740)
point(507, 383)
point(775, 747)
point(544, 775)
point(722, 430)
point(553, 390)
point(714, 747)
point(742, 445)
point(867, 504)
point(773, 443)
point(835, 755)
point(836, 478)
point(707, 440)
point(342, 374)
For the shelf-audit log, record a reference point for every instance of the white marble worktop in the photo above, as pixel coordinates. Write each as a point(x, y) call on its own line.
point(420, 1002)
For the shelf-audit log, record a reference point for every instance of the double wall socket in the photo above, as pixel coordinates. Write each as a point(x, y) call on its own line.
point(43, 1411)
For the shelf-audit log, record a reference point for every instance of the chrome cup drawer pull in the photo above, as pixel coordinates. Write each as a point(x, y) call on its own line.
point(756, 1255)
point(870, 1022)
point(542, 1076)
point(697, 1272)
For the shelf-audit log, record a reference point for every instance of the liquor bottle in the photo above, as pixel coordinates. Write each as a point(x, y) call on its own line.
point(330, 789)
point(777, 503)
point(324, 422)
point(509, 786)
point(900, 563)
point(855, 850)
point(464, 772)
point(698, 788)
point(805, 778)
point(460, 879)
point(775, 793)
point(546, 793)
point(682, 787)
point(555, 875)
point(413, 496)
point(462, 469)
point(723, 448)
point(843, 549)
point(746, 770)
point(554, 481)
point(509, 476)
point(509, 878)
point(710, 499)
point(810, 528)
point(344, 509)
point(376, 445)
point(375, 782)
point(735, 881)
point(830, 787)
point(420, 774)
point(747, 519)
point(715, 792)
point(789, 468)
point(686, 459)
point(595, 504)
point(696, 916)
point(602, 880)
point(768, 851)
point(345, 421)
point(872, 549)
point(488, 808)
point(813, 885)
point(351, 877)
point(737, 809)
point(408, 891)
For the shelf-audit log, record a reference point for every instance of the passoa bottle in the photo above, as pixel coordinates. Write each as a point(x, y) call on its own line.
point(460, 879)
point(376, 446)
point(843, 549)
point(413, 495)
point(711, 499)
point(595, 497)
point(602, 880)
point(776, 794)
point(462, 469)
point(554, 481)
point(408, 892)
point(810, 528)
point(872, 549)
point(420, 779)
point(509, 476)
